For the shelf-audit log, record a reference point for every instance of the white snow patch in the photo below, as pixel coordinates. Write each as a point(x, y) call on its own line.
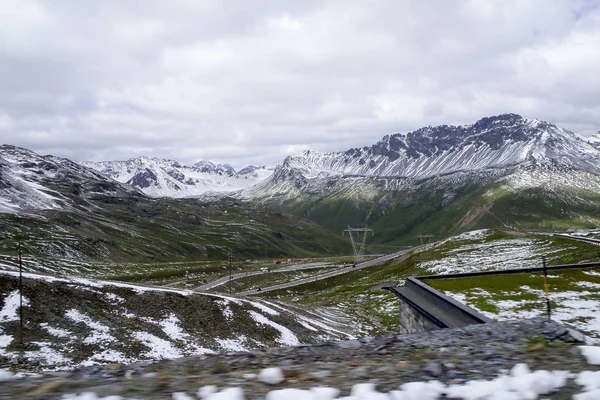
point(591, 354)
point(226, 309)
point(226, 394)
point(172, 328)
point(58, 332)
point(114, 298)
point(571, 307)
point(287, 338)
point(520, 384)
point(206, 391)
point(11, 306)
point(590, 380)
point(232, 344)
point(159, 348)
point(495, 255)
point(107, 356)
point(4, 342)
point(263, 308)
point(99, 284)
point(100, 333)
point(271, 376)
point(182, 396)
point(472, 235)
point(47, 355)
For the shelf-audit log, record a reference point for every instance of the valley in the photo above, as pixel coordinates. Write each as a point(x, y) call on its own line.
point(147, 259)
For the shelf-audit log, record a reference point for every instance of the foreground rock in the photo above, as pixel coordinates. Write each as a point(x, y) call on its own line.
point(450, 356)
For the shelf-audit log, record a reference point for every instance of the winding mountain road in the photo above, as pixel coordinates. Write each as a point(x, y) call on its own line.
point(239, 275)
point(338, 271)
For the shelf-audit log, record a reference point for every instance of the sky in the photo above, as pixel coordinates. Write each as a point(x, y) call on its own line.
point(250, 82)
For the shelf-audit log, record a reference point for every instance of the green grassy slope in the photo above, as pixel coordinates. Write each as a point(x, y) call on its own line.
point(445, 206)
point(170, 230)
point(374, 310)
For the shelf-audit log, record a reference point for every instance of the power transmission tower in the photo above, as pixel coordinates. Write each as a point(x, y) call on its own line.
point(358, 248)
point(429, 238)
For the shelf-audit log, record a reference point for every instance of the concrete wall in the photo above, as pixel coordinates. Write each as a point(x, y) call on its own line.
point(413, 321)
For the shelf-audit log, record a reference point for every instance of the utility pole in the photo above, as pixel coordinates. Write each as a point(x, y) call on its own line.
point(20, 294)
point(230, 281)
point(20, 239)
point(547, 288)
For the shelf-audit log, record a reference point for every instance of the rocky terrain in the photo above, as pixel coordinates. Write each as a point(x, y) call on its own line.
point(72, 321)
point(450, 357)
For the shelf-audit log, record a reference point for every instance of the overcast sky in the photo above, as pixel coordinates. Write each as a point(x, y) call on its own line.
point(251, 81)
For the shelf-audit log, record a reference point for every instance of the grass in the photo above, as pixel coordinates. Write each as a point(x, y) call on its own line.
point(572, 291)
point(169, 230)
point(375, 311)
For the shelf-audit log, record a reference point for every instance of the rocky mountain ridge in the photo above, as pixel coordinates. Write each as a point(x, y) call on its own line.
point(168, 178)
point(29, 181)
point(493, 142)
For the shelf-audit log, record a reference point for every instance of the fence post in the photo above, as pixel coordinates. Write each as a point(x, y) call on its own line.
point(547, 287)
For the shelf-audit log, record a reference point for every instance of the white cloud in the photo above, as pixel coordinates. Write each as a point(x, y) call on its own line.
point(250, 82)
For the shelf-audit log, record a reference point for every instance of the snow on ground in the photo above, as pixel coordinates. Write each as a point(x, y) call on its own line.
point(11, 305)
point(58, 332)
point(576, 308)
point(106, 356)
point(77, 281)
point(591, 354)
point(493, 255)
point(287, 338)
point(159, 348)
point(233, 344)
point(174, 341)
point(472, 235)
point(99, 333)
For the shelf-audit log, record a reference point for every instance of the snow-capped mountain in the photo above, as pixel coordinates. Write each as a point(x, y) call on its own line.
point(493, 142)
point(167, 178)
point(29, 181)
point(594, 140)
point(505, 171)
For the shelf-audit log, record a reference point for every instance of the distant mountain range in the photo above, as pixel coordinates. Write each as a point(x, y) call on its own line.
point(29, 181)
point(493, 142)
point(167, 178)
point(504, 170)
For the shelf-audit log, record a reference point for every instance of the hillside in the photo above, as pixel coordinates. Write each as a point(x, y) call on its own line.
point(72, 212)
point(78, 322)
point(375, 311)
point(504, 171)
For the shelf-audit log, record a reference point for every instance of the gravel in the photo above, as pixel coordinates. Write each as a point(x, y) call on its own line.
point(452, 356)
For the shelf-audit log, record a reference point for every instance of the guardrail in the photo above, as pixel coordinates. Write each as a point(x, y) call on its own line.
point(439, 309)
point(580, 238)
point(446, 312)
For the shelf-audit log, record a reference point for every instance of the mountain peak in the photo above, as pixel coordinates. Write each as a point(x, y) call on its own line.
point(491, 142)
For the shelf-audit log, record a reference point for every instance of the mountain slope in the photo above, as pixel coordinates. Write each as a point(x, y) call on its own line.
point(29, 181)
point(167, 178)
point(491, 142)
point(80, 322)
point(444, 180)
point(70, 211)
